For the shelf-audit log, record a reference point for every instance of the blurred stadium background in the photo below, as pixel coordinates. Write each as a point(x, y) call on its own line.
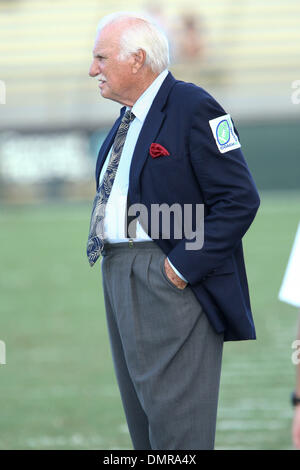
point(58, 389)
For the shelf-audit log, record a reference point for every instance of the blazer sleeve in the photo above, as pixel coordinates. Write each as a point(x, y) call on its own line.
point(229, 193)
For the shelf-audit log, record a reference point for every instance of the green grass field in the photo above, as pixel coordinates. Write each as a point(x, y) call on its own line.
point(58, 389)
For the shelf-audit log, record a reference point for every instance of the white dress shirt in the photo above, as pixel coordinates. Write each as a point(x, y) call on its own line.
point(114, 222)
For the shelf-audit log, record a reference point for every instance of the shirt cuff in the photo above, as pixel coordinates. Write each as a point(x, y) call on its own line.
point(176, 271)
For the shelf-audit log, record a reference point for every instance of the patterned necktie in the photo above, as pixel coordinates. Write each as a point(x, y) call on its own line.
point(95, 243)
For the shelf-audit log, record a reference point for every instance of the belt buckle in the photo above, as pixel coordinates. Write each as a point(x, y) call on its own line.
point(130, 243)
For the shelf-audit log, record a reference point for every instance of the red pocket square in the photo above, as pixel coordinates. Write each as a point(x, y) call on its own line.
point(157, 150)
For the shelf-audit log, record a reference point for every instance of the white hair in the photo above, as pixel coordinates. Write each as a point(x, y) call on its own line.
point(142, 34)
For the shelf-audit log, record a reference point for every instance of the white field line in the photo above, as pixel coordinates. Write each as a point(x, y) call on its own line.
point(61, 441)
point(246, 425)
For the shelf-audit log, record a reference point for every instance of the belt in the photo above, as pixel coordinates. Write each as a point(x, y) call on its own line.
point(108, 246)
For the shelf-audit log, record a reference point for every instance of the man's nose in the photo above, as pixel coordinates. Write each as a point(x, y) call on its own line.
point(94, 69)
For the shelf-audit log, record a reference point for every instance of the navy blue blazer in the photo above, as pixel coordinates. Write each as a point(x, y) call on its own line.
point(196, 172)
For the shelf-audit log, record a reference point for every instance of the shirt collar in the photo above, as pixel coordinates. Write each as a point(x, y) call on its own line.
point(143, 104)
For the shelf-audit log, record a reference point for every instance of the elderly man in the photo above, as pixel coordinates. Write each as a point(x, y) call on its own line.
point(170, 303)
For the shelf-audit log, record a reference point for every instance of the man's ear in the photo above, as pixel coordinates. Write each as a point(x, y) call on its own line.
point(139, 59)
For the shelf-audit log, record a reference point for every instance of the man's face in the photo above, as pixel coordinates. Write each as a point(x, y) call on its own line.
point(116, 79)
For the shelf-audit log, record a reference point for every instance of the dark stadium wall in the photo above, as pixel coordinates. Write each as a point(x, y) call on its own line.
point(272, 151)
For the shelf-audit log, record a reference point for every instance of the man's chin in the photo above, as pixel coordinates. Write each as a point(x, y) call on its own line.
point(109, 96)
point(104, 93)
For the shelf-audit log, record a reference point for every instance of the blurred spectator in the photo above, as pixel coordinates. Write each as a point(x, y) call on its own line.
point(191, 41)
point(155, 11)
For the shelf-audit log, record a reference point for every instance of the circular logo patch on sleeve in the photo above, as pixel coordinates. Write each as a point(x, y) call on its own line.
point(224, 135)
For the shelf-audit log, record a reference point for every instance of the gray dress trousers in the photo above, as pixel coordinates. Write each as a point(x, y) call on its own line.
point(166, 355)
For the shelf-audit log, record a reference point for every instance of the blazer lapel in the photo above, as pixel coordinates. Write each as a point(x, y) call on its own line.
point(150, 129)
point(106, 146)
